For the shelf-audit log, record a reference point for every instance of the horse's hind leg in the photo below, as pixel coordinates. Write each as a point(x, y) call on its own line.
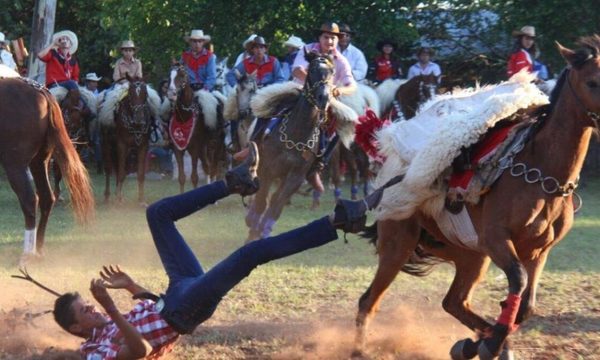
point(19, 182)
point(39, 170)
point(141, 171)
point(57, 179)
point(121, 168)
point(180, 170)
point(194, 175)
point(395, 243)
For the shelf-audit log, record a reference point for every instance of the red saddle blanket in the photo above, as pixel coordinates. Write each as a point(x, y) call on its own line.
point(181, 132)
point(480, 153)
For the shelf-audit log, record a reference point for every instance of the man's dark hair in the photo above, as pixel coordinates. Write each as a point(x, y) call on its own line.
point(63, 312)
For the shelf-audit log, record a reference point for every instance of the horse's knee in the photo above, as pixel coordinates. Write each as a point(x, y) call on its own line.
point(453, 306)
point(362, 302)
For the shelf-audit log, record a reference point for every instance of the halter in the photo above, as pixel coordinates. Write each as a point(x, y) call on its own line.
point(137, 129)
point(594, 116)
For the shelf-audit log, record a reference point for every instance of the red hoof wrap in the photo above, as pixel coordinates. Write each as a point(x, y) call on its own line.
point(509, 312)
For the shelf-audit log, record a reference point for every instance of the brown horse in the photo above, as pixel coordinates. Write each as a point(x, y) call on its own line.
point(133, 120)
point(408, 97)
point(517, 222)
point(207, 141)
point(32, 130)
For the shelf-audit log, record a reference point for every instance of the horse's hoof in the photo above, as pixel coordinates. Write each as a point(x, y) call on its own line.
point(358, 355)
point(506, 354)
point(463, 350)
point(485, 353)
point(28, 259)
point(315, 205)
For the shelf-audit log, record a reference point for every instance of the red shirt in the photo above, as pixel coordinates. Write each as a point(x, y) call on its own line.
point(384, 68)
point(60, 68)
point(518, 61)
point(193, 62)
point(106, 342)
point(261, 69)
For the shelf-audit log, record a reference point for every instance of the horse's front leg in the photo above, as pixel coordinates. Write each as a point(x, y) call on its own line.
point(289, 185)
point(257, 208)
point(180, 169)
point(194, 175)
point(141, 171)
point(107, 162)
point(396, 240)
point(122, 150)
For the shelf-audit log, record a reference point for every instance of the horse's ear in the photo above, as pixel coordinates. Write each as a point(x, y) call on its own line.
point(567, 54)
point(310, 55)
point(253, 74)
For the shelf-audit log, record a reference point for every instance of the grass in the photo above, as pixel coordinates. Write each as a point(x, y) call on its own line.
point(302, 306)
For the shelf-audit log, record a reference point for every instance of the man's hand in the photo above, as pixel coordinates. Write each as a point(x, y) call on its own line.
point(335, 92)
point(101, 295)
point(115, 278)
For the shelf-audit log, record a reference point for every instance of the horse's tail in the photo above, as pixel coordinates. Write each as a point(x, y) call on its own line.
point(73, 170)
point(420, 262)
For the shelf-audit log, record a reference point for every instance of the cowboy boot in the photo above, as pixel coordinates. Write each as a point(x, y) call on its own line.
point(243, 179)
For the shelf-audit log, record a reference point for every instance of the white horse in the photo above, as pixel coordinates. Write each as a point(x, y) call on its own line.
point(221, 83)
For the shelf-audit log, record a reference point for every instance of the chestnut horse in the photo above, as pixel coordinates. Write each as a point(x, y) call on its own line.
point(407, 97)
point(32, 130)
point(133, 120)
point(517, 221)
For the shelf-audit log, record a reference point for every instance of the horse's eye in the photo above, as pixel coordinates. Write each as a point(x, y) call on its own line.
point(592, 84)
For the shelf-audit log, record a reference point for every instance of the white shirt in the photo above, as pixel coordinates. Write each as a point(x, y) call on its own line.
point(357, 61)
point(6, 58)
point(417, 69)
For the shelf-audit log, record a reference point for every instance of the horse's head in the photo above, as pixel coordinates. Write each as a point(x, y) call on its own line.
point(584, 77)
point(221, 70)
point(318, 84)
point(178, 80)
point(74, 111)
point(137, 95)
point(428, 85)
point(245, 90)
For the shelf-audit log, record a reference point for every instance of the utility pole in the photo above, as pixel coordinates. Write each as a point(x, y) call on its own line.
point(41, 35)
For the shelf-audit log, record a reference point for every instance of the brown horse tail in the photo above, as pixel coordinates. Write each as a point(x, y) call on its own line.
point(73, 170)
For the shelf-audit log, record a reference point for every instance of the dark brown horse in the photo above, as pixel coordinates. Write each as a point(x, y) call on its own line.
point(133, 120)
point(517, 222)
point(287, 153)
point(408, 97)
point(31, 131)
point(207, 141)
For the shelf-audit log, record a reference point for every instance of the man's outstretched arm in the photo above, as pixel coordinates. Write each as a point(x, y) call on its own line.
point(116, 278)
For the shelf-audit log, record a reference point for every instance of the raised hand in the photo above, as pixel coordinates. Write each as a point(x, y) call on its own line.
point(115, 278)
point(98, 290)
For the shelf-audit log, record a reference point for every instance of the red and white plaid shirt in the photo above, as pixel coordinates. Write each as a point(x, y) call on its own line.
point(105, 343)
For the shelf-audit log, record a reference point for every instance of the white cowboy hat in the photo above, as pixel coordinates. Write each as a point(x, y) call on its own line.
point(249, 40)
point(127, 44)
point(71, 35)
point(197, 35)
point(294, 41)
point(2, 37)
point(92, 77)
point(525, 30)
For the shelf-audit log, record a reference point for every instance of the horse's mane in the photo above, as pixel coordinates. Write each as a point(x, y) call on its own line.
point(90, 99)
point(271, 99)
point(208, 103)
point(589, 48)
point(230, 111)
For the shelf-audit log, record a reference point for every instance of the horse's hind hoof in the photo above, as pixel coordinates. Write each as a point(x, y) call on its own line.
point(485, 353)
point(358, 355)
point(463, 350)
point(506, 354)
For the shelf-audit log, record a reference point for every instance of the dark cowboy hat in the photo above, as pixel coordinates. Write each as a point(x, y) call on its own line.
point(345, 28)
point(384, 42)
point(258, 40)
point(328, 27)
point(425, 50)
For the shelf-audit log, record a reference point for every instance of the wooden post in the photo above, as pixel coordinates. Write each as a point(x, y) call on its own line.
point(41, 35)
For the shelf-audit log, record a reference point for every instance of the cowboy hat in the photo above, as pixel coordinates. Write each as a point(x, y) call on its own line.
point(427, 50)
point(127, 44)
point(525, 31)
point(197, 35)
point(2, 37)
point(247, 42)
point(258, 40)
point(72, 37)
point(384, 42)
point(329, 27)
point(345, 28)
point(92, 77)
point(294, 41)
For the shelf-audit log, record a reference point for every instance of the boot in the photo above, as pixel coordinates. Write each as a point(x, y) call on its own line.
point(243, 179)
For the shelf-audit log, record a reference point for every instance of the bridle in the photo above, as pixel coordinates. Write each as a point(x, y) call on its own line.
point(179, 106)
point(593, 116)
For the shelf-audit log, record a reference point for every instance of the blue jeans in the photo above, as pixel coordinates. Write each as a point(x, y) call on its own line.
point(193, 295)
point(69, 85)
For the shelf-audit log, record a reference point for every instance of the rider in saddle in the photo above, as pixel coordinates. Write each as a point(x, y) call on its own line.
point(293, 45)
point(62, 68)
point(127, 64)
point(200, 63)
point(524, 54)
point(343, 80)
point(356, 58)
point(247, 50)
point(424, 66)
point(6, 58)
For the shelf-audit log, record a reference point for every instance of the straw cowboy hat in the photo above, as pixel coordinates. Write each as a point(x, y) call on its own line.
point(71, 35)
point(294, 41)
point(329, 27)
point(127, 44)
point(248, 41)
point(384, 42)
point(92, 77)
point(525, 31)
point(197, 35)
point(2, 37)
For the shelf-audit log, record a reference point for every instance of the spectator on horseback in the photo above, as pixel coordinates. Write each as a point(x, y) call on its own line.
point(344, 84)
point(293, 45)
point(247, 50)
point(424, 66)
point(127, 64)
point(200, 63)
point(524, 51)
point(356, 58)
point(62, 68)
point(385, 66)
point(6, 58)
point(266, 67)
